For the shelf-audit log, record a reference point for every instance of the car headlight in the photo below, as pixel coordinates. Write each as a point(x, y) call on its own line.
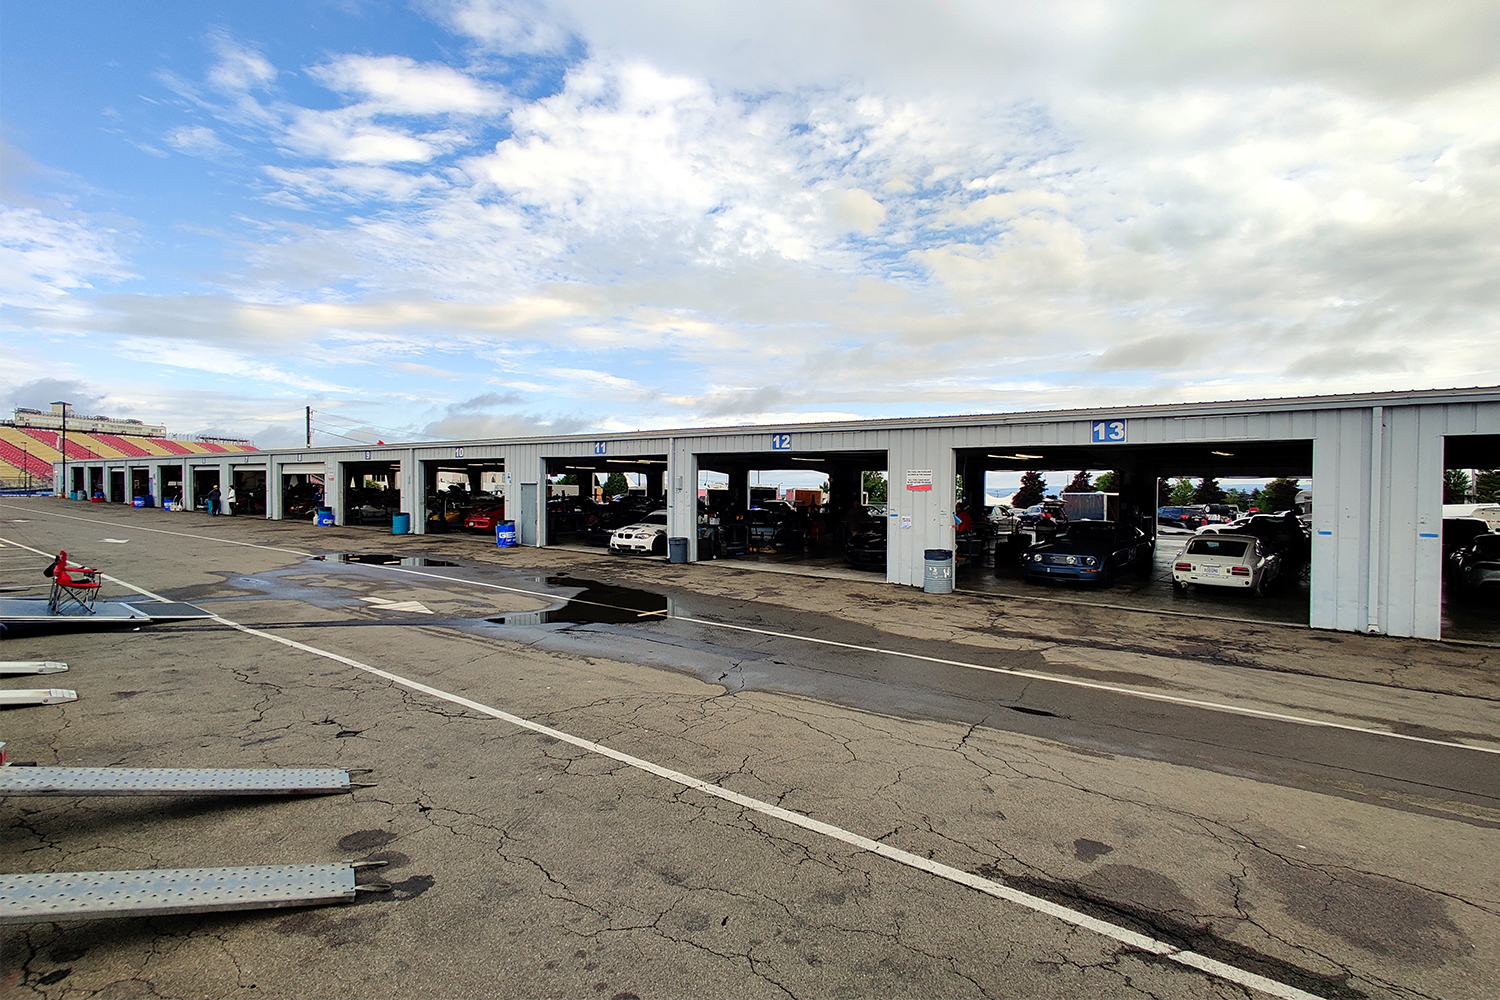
point(1090, 561)
point(1037, 557)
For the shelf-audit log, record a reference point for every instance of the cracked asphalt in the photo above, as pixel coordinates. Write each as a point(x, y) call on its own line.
point(1344, 862)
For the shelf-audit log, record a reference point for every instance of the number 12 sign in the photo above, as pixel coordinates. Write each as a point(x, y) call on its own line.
point(1109, 432)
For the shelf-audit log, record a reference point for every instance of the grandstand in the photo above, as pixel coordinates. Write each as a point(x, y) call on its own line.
point(27, 452)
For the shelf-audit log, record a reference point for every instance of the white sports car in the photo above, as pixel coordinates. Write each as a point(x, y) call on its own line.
point(647, 536)
point(1221, 559)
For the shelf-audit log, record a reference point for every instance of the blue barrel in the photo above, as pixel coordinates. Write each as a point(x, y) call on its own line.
point(138, 502)
point(677, 550)
point(505, 534)
point(938, 566)
point(401, 524)
point(323, 518)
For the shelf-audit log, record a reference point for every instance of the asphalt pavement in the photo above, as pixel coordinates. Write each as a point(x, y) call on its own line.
point(609, 777)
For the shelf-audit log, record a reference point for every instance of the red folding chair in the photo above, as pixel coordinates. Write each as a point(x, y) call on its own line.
point(78, 585)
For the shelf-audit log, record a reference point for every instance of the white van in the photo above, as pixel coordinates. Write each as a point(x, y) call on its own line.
point(1489, 513)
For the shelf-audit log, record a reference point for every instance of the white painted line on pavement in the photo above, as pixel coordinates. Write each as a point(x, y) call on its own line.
point(158, 531)
point(1124, 935)
point(1212, 706)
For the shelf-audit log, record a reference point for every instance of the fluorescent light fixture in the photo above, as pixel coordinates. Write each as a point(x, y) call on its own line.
point(807, 460)
point(1226, 454)
point(636, 461)
point(1018, 455)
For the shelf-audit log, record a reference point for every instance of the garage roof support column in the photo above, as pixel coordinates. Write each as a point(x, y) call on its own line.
point(1377, 449)
point(682, 494)
point(413, 496)
point(334, 489)
point(275, 479)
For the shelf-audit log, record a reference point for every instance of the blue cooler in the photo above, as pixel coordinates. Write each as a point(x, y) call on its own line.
point(138, 502)
point(323, 518)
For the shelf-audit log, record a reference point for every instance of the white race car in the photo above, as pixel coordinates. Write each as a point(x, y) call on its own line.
point(647, 536)
point(1221, 559)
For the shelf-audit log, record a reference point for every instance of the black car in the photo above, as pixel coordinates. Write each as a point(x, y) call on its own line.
point(866, 548)
point(1458, 532)
point(1089, 552)
point(1181, 517)
point(1475, 568)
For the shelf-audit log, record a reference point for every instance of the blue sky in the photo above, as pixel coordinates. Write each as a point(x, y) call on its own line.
point(459, 218)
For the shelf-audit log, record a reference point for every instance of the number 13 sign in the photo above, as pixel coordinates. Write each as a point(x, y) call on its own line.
point(1109, 431)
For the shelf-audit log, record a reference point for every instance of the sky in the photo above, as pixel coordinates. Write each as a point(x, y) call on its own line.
point(466, 218)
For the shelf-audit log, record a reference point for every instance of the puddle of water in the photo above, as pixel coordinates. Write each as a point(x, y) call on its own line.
point(596, 604)
point(383, 559)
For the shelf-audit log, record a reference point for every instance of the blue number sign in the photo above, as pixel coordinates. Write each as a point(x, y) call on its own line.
point(599, 447)
point(1109, 432)
point(781, 442)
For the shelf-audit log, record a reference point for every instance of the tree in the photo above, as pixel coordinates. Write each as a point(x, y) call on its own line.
point(1081, 484)
point(1033, 488)
point(875, 487)
point(1279, 494)
point(1487, 486)
point(571, 479)
point(1238, 498)
point(616, 485)
point(1182, 492)
point(1456, 486)
point(1105, 483)
point(1208, 491)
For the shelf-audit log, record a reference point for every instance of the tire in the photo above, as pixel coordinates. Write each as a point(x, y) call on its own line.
point(1179, 586)
point(1106, 577)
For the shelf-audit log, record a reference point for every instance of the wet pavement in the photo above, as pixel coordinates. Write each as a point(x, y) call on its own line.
point(1065, 750)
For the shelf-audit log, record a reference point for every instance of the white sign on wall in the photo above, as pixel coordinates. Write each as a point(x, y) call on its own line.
point(919, 480)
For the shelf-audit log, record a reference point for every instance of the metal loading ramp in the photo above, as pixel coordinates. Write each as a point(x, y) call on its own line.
point(17, 668)
point(36, 696)
point(174, 781)
point(42, 898)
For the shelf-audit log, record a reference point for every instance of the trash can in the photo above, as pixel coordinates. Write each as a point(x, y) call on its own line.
point(677, 550)
point(401, 524)
point(505, 534)
point(323, 517)
point(138, 502)
point(938, 578)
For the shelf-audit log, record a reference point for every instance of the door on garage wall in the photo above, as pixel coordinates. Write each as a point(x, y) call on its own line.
point(116, 485)
point(526, 522)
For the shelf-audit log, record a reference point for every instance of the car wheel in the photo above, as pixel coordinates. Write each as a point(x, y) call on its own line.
point(659, 545)
point(1179, 586)
point(1260, 587)
point(1106, 576)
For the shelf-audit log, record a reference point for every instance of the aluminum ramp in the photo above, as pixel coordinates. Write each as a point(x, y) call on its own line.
point(36, 696)
point(43, 898)
point(16, 668)
point(175, 781)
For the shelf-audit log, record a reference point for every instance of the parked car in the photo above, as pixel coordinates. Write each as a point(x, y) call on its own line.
point(1003, 519)
point(646, 536)
point(485, 516)
point(1089, 552)
point(1048, 513)
point(1222, 559)
point(603, 518)
point(1458, 532)
point(1281, 533)
point(1185, 518)
point(1475, 568)
point(866, 549)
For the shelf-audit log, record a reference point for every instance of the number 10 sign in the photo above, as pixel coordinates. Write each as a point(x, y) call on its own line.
point(1109, 432)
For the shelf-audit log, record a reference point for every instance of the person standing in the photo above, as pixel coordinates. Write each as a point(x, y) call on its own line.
point(212, 502)
point(230, 498)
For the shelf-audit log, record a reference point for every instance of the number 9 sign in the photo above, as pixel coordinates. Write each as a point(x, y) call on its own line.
point(1109, 432)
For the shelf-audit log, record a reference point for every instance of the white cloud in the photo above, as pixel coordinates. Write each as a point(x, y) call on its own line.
point(398, 85)
point(45, 258)
point(238, 68)
point(197, 140)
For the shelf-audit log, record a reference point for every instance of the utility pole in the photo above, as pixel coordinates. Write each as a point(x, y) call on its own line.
point(63, 448)
point(309, 426)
